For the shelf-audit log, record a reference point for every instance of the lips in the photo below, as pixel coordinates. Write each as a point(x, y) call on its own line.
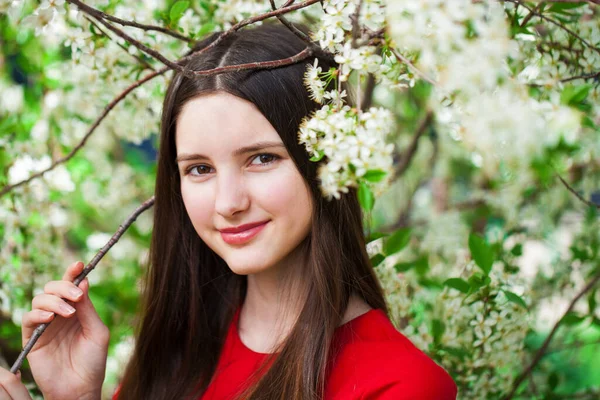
point(241, 228)
point(243, 233)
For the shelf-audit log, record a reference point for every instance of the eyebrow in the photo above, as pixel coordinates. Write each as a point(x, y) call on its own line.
point(242, 150)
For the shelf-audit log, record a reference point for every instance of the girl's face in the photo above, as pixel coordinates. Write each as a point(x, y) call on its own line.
point(236, 171)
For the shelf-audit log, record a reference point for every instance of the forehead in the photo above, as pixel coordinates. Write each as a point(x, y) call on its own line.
point(221, 121)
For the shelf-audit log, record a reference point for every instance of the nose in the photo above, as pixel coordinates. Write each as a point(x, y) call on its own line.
point(232, 196)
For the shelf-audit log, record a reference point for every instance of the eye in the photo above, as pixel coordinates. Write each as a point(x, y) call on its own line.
point(266, 158)
point(202, 169)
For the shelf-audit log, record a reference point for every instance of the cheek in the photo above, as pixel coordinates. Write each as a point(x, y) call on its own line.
point(198, 206)
point(284, 195)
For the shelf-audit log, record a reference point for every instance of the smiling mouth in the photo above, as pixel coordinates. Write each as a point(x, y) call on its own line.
point(242, 236)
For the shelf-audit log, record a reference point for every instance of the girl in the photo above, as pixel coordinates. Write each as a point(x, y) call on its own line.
point(258, 287)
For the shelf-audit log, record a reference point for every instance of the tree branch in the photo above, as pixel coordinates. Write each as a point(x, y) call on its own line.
point(354, 18)
point(410, 152)
point(580, 197)
point(593, 75)
point(290, 26)
point(101, 253)
point(72, 153)
point(176, 65)
point(539, 354)
point(406, 61)
point(134, 24)
point(140, 59)
point(561, 26)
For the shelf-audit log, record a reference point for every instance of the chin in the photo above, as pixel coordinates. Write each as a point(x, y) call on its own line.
point(247, 264)
point(246, 269)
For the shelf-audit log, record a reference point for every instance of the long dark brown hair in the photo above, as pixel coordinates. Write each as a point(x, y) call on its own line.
point(190, 295)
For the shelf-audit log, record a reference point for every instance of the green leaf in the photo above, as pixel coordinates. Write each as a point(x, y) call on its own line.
point(458, 283)
point(553, 380)
point(397, 241)
point(374, 175)
point(573, 95)
point(318, 157)
point(403, 266)
point(437, 329)
point(376, 235)
point(515, 298)
point(517, 250)
point(592, 301)
point(572, 318)
point(456, 351)
point(365, 197)
point(177, 11)
point(206, 28)
point(481, 252)
point(561, 7)
point(377, 259)
point(478, 280)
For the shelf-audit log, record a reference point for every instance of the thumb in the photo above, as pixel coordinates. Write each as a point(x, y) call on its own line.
point(87, 314)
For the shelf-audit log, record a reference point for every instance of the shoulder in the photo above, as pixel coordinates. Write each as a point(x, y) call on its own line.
point(375, 361)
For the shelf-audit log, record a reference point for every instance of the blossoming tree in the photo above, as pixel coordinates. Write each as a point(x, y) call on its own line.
point(474, 145)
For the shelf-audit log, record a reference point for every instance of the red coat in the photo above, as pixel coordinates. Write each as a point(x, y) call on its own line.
point(376, 362)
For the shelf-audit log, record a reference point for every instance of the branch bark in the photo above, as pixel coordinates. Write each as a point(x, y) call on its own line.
point(101, 253)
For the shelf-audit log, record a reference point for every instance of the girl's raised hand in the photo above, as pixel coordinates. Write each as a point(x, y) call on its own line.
point(11, 387)
point(68, 361)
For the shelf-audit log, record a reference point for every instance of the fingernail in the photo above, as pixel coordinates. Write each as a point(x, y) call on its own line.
point(67, 308)
point(47, 314)
point(75, 292)
point(18, 374)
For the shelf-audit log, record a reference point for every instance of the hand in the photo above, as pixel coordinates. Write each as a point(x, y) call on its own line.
point(68, 360)
point(11, 387)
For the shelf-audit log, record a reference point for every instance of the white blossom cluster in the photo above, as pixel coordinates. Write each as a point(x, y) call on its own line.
point(334, 33)
point(492, 347)
point(554, 54)
point(463, 47)
point(354, 144)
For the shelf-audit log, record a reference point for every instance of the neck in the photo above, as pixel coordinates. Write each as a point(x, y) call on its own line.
point(273, 303)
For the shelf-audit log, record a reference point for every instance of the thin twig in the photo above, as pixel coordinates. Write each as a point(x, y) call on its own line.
point(412, 148)
point(290, 26)
point(593, 75)
point(548, 19)
point(176, 65)
point(355, 19)
point(138, 58)
point(406, 61)
point(72, 153)
point(99, 15)
point(540, 353)
point(134, 24)
point(530, 15)
point(580, 197)
point(101, 253)
point(596, 2)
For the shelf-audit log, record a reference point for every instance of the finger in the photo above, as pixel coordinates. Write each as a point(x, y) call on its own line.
point(13, 387)
point(73, 271)
point(33, 318)
point(4, 394)
point(64, 289)
point(91, 323)
point(52, 303)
